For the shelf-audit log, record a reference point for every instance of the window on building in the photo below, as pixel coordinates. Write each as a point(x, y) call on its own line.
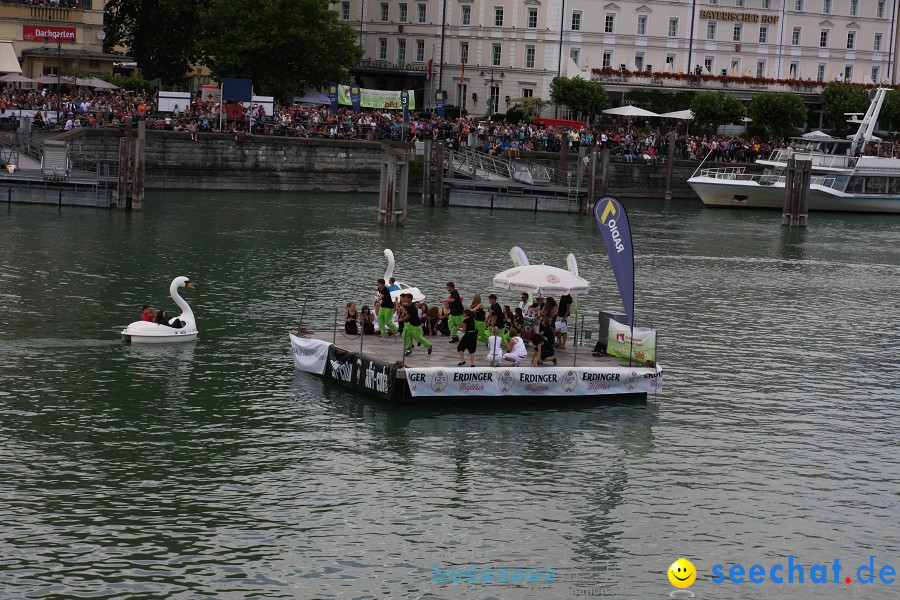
point(760, 68)
point(795, 36)
point(402, 12)
point(763, 34)
point(820, 72)
point(673, 27)
point(766, 3)
point(345, 11)
point(532, 18)
point(420, 50)
point(848, 73)
point(875, 74)
point(607, 58)
point(464, 52)
point(714, 2)
point(423, 12)
point(494, 99)
point(466, 15)
point(529, 57)
point(854, 8)
point(823, 38)
point(642, 25)
point(575, 55)
point(826, 7)
point(576, 20)
point(851, 40)
point(876, 44)
point(639, 62)
point(461, 101)
point(708, 63)
point(798, 5)
point(498, 16)
point(670, 62)
point(610, 24)
point(735, 66)
point(738, 32)
point(384, 11)
point(401, 51)
point(711, 30)
point(794, 70)
point(382, 48)
point(528, 92)
point(879, 9)
point(496, 52)
point(739, 3)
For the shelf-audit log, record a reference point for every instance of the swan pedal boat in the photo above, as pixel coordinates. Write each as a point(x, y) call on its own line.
point(145, 332)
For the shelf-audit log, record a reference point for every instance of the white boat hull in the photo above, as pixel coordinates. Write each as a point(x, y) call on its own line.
point(750, 194)
point(142, 332)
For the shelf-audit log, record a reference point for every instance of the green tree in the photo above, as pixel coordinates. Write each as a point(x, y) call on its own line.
point(839, 98)
point(780, 114)
point(889, 118)
point(584, 98)
point(162, 35)
point(716, 109)
point(526, 109)
point(282, 45)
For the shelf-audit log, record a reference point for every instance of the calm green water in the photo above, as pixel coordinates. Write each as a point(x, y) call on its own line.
point(215, 470)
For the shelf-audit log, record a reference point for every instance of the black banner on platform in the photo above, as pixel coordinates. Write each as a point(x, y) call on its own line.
point(361, 372)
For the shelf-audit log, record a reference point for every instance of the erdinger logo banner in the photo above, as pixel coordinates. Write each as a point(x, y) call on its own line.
point(360, 372)
point(554, 381)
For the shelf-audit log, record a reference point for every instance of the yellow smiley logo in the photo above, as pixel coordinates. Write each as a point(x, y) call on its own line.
point(682, 573)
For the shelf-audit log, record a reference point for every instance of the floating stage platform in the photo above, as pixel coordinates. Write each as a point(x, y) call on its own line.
point(377, 366)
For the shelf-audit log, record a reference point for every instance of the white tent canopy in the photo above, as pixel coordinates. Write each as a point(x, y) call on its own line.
point(541, 279)
point(684, 115)
point(14, 78)
point(630, 111)
point(9, 63)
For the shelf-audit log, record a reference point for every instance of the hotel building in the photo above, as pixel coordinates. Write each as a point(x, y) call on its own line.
point(514, 48)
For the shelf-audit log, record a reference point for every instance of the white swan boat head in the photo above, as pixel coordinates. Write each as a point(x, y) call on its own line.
point(146, 332)
point(404, 288)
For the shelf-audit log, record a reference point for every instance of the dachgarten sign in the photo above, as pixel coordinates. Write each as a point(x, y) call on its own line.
point(724, 15)
point(39, 33)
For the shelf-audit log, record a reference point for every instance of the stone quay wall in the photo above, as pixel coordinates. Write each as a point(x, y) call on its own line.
point(218, 161)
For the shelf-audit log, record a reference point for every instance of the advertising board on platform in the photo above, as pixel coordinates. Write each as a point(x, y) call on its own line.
point(620, 342)
point(521, 381)
point(43, 33)
point(386, 99)
point(361, 372)
point(309, 355)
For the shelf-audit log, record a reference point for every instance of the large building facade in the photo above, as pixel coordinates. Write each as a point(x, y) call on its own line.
point(47, 37)
point(513, 48)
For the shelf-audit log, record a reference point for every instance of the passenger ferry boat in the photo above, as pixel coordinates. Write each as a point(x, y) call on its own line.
point(847, 175)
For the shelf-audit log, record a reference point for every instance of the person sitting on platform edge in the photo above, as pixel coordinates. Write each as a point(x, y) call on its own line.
point(368, 321)
point(350, 317)
point(454, 304)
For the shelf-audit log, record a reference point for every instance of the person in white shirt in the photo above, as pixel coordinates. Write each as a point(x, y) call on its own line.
point(495, 348)
point(524, 303)
point(516, 348)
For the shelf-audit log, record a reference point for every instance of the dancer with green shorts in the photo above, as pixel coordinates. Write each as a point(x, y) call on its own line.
point(454, 304)
point(386, 312)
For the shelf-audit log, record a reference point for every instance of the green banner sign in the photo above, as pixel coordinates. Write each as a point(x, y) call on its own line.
point(384, 99)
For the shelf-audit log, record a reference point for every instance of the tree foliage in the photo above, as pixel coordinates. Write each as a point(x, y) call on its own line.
point(660, 102)
point(282, 45)
point(780, 114)
point(162, 35)
point(584, 98)
point(889, 118)
point(839, 98)
point(716, 108)
point(526, 109)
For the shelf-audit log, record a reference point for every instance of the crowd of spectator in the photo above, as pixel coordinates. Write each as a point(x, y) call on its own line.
point(497, 138)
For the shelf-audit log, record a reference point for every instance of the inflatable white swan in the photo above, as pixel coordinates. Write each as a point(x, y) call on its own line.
point(146, 332)
point(404, 288)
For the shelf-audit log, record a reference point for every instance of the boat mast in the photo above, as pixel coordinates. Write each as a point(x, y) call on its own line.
point(867, 125)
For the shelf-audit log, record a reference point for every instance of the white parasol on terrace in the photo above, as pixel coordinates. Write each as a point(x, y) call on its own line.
point(16, 78)
point(684, 115)
point(541, 279)
point(630, 111)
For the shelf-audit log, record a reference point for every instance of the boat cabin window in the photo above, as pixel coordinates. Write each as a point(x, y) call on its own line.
point(873, 185)
point(856, 185)
point(837, 182)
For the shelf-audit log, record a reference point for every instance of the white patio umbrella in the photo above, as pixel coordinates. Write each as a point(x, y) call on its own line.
point(541, 279)
point(99, 84)
point(816, 135)
point(630, 111)
point(684, 115)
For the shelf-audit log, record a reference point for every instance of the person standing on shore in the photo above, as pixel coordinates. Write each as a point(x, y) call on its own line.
point(454, 304)
point(386, 312)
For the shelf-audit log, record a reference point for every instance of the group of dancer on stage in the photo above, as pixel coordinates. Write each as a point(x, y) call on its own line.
point(505, 332)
